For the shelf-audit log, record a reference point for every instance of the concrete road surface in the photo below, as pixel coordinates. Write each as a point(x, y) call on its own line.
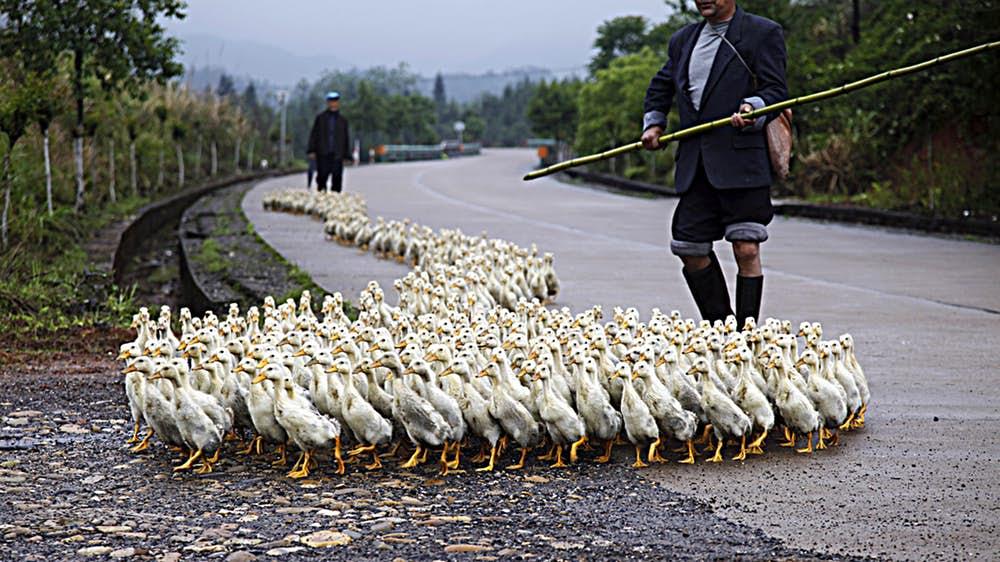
point(921, 481)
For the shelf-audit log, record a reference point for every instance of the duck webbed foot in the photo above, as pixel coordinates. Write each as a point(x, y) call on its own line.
point(859, 418)
point(414, 459)
point(576, 445)
point(254, 444)
point(559, 460)
point(283, 458)
point(135, 435)
point(144, 444)
point(360, 449)
point(847, 425)
point(706, 436)
point(690, 450)
point(549, 455)
point(638, 458)
point(376, 462)
point(190, 461)
point(303, 470)
point(520, 464)
point(755, 448)
point(717, 457)
point(809, 445)
point(215, 456)
point(789, 438)
point(607, 452)
point(454, 463)
point(341, 469)
point(482, 454)
point(654, 452)
point(493, 458)
point(742, 455)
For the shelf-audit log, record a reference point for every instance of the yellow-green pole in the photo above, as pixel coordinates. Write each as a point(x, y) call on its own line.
point(802, 100)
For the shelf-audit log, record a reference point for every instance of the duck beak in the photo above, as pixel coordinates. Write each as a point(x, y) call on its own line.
point(616, 341)
point(300, 353)
point(400, 346)
point(130, 369)
point(800, 363)
point(263, 363)
point(688, 349)
point(155, 376)
point(533, 355)
point(536, 377)
point(692, 371)
point(124, 355)
point(446, 372)
point(635, 376)
point(283, 342)
point(183, 345)
point(376, 364)
point(482, 373)
point(214, 359)
point(330, 369)
point(431, 357)
point(239, 369)
point(259, 379)
point(311, 362)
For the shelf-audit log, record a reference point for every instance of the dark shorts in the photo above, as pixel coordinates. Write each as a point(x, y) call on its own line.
point(705, 214)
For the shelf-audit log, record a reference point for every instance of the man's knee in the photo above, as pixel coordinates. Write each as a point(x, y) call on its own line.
point(746, 251)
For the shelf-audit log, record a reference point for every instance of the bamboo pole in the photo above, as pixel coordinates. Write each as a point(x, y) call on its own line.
point(802, 100)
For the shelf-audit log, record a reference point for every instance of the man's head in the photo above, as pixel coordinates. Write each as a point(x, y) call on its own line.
point(333, 101)
point(716, 10)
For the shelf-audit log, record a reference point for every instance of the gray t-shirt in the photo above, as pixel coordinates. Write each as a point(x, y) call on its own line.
point(702, 58)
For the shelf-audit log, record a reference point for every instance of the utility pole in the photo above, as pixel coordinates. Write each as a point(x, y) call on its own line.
point(282, 100)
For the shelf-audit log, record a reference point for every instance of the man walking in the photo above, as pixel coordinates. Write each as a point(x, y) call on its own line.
point(329, 145)
point(732, 61)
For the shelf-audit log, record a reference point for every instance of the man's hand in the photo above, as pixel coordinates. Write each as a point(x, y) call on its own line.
point(738, 121)
point(312, 155)
point(651, 138)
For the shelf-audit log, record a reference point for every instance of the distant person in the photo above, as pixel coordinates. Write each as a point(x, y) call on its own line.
point(732, 61)
point(329, 145)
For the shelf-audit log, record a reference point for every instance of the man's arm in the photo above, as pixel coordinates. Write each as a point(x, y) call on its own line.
point(771, 85)
point(659, 98)
point(347, 139)
point(311, 148)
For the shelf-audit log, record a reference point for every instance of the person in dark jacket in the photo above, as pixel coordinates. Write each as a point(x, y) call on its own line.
point(731, 61)
point(329, 145)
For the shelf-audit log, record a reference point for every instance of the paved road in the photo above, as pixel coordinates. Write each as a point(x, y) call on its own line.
point(922, 481)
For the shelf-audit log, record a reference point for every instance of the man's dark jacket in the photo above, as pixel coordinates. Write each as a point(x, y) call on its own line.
point(732, 158)
point(319, 137)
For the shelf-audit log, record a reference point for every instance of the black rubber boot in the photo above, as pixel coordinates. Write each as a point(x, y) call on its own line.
point(749, 291)
point(708, 287)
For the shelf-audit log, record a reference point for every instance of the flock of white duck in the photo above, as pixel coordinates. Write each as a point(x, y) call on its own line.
point(471, 355)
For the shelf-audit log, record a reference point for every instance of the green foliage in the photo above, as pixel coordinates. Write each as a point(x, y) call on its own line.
point(610, 106)
point(552, 110)
point(210, 256)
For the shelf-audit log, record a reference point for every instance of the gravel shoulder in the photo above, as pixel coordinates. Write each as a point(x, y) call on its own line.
point(73, 490)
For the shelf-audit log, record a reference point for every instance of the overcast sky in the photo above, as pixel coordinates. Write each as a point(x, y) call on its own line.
point(430, 35)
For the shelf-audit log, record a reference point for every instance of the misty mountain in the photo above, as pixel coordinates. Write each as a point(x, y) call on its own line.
point(207, 57)
point(464, 88)
point(267, 63)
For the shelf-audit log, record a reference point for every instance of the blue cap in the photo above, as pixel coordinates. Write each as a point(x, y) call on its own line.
point(332, 96)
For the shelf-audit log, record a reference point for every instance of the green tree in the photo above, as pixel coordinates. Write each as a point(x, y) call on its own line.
point(617, 37)
point(111, 44)
point(610, 106)
point(552, 110)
